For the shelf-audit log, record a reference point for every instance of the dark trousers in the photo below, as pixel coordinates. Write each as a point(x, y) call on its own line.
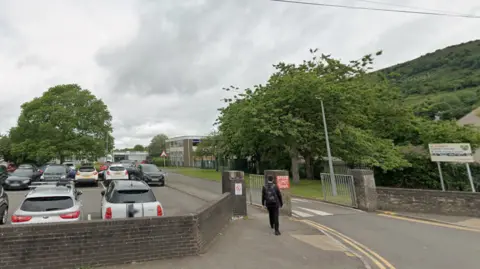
point(273, 213)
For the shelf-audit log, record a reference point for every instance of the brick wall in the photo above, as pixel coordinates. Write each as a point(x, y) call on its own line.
point(429, 201)
point(212, 219)
point(98, 243)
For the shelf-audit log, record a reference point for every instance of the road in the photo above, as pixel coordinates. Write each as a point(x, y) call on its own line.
point(385, 242)
point(174, 202)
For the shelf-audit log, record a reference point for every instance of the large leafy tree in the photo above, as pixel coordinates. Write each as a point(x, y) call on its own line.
point(157, 145)
point(138, 148)
point(66, 120)
point(6, 148)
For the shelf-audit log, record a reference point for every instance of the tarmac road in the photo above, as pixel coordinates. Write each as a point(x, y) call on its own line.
point(174, 202)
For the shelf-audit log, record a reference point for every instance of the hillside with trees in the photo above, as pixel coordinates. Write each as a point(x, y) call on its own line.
point(444, 83)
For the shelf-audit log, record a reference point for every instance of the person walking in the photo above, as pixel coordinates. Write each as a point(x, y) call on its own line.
point(272, 200)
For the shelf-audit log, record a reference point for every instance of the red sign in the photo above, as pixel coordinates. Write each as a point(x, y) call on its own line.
point(164, 154)
point(283, 182)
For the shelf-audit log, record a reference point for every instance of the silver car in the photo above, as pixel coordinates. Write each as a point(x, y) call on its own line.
point(129, 199)
point(47, 203)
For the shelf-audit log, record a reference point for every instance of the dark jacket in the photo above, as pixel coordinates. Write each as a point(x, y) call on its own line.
point(277, 190)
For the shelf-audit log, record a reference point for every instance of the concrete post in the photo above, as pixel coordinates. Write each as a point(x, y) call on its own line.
point(365, 189)
point(286, 193)
point(234, 182)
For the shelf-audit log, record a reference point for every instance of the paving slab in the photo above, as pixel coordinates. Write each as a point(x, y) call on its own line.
point(250, 244)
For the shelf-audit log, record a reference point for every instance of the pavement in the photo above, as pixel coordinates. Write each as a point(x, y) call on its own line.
point(173, 201)
point(384, 241)
point(250, 244)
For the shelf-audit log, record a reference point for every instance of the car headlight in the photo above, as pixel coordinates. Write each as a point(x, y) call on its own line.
point(42, 177)
point(25, 181)
point(63, 177)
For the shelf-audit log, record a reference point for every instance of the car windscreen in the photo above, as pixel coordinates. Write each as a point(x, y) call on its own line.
point(55, 170)
point(117, 168)
point(86, 169)
point(41, 204)
point(26, 166)
point(22, 172)
point(150, 168)
point(132, 196)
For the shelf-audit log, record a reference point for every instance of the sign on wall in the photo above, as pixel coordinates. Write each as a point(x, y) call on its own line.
point(283, 182)
point(453, 152)
point(238, 189)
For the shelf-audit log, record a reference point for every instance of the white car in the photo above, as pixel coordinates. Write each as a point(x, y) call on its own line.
point(129, 199)
point(49, 202)
point(86, 174)
point(69, 165)
point(115, 172)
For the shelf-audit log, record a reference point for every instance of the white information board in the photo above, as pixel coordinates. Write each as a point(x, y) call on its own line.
point(238, 189)
point(452, 153)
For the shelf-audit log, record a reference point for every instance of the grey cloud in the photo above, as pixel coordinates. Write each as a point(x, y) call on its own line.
point(33, 60)
point(184, 49)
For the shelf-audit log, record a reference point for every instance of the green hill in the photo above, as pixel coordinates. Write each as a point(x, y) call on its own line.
point(444, 82)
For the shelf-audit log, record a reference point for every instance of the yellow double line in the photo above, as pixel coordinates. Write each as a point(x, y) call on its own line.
point(378, 260)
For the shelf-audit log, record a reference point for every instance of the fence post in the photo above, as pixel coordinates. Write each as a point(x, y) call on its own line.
point(234, 182)
point(286, 193)
point(365, 189)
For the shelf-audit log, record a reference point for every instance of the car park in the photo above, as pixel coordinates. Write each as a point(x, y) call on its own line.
point(4, 204)
point(116, 172)
point(86, 174)
point(129, 199)
point(21, 178)
point(55, 172)
point(49, 202)
point(151, 174)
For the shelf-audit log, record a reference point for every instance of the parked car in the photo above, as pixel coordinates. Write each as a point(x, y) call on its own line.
point(3, 174)
point(103, 168)
point(11, 167)
point(55, 172)
point(21, 178)
point(86, 174)
point(124, 199)
point(4, 202)
point(42, 168)
point(116, 172)
point(151, 174)
point(50, 202)
point(70, 165)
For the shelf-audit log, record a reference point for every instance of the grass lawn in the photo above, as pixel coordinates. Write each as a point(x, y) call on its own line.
point(306, 188)
point(209, 174)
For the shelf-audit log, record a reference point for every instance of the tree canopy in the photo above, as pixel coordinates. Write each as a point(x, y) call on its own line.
point(65, 121)
point(157, 145)
point(368, 122)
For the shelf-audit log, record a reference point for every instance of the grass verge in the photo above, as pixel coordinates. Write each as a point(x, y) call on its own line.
point(209, 174)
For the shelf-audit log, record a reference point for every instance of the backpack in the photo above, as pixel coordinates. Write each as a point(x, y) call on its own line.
point(271, 196)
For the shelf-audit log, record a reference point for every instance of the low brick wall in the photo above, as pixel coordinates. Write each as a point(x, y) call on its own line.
point(429, 201)
point(99, 243)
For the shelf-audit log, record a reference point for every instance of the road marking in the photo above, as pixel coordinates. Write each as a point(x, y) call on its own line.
point(301, 214)
point(452, 226)
point(298, 200)
point(379, 261)
point(316, 212)
point(101, 183)
point(89, 217)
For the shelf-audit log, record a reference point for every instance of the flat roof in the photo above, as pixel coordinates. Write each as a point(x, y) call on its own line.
point(185, 137)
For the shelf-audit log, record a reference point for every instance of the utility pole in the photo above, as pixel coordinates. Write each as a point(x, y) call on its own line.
point(329, 154)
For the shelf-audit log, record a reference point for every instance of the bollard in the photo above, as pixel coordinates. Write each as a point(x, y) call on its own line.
point(234, 182)
point(282, 180)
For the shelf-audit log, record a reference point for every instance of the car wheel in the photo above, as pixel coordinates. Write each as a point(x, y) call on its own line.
point(4, 216)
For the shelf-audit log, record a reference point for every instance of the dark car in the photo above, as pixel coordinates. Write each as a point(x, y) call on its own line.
point(3, 206)
point(151, 174)
point(3, 174)
point(21, 178)
point(55, 172)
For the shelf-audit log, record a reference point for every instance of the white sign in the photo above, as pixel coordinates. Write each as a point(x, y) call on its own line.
point(238, 189)
point(454, 153)
point(164, 154)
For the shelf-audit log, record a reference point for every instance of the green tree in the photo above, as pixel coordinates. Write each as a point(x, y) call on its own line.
point(66, 120)
point(157, 145)
point(138, 148)
point(6, 148)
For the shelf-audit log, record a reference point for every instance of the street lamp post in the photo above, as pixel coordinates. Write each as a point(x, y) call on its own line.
point(329, 154)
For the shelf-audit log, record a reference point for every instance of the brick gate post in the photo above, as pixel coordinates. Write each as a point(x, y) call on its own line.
point(365, 189)
point(284, 189)
point(234, 182)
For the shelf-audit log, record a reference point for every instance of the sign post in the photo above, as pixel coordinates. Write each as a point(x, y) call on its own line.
point(453, 153)
point(164, 155)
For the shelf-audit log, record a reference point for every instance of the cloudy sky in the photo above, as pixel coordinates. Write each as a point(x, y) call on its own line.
point(160, 65)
